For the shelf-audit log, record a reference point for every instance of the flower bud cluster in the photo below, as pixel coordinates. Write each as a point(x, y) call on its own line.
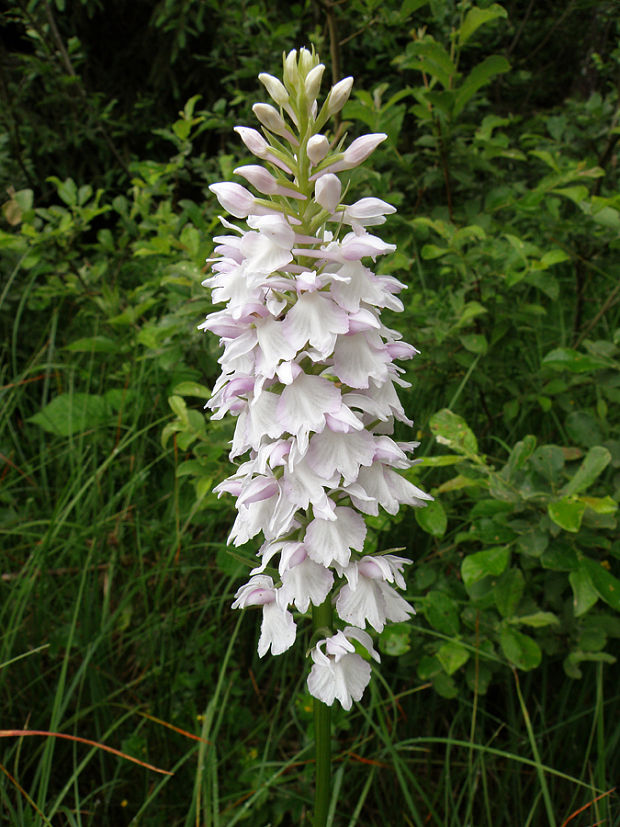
point(308, 371)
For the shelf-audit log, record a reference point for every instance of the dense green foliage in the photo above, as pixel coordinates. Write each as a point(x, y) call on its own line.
point(498, 703)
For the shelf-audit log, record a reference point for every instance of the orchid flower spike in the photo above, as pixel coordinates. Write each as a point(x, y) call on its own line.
point(309, 373)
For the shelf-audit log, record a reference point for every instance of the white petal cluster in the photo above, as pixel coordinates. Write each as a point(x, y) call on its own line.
point(308, 370)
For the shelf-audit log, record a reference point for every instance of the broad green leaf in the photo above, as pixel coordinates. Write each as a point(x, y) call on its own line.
point(189, 468)
point(72, 413)
point(452, 430)
point(482, 563)
point(560, 557)
point(452, 656)
point(431, 251)
point(548, 461)
point(192, 389)
point(605, 584)
point(567, 513)
point(554, 256)
point(409, 6)
point(94, 344)
point(444, 685)
point(520, 649)
point(537, 620)
point(600, 505)
point(469, 312)
point(477, 17)
point(571, 661)
point(394, 640)
point(567, 358)
point(432, 519)
point(457, 483)
point(178, 406)
point(508, 592)
point(583, 428)
point(534, 542)
point(427, 667)
point(593, 464)
point(608, 217)
point(67, 189)
point(521, 452)
point(474, 342)
point(431, 57)
point(584, 593)
point(576, 194)
point(479, 76)
point(441, 611)
point(203, 486)
point(478, 677)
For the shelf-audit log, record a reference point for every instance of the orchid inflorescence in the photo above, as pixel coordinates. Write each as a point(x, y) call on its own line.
point(308, 370)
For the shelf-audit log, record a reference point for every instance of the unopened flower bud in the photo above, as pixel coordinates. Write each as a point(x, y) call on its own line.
point(265, 182)
point(253, 140)
point(312, 83)
point(275, 88)
point(234, 198)
point(273, 121)
point(307, 61)
point(355, 154)
point(362, 147)
point(317, 148)
point(291, 74)
point(327, 192)
point(339, 95)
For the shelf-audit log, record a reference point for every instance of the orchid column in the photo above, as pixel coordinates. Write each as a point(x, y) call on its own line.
point(308, 370)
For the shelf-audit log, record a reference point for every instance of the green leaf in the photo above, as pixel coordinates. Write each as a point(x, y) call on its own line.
point(192, 389)
point(554, 256)
point(444, 685)
point(394, 640)
point(177, 403)
point(430, 57)
point(583, 428)
point(432, 519)
point(560, 557)
point(477, 17)
point(452, 656)
point(94, 344)
point(441, 611)
point(509, 591)
point(469, 312)
point(452, 430)
point(474, 342)
point(605, 584)
point(567, 513)
point(576, 194)
point(427, 667)
point(482, 563)
point(584, 593)
point(67, 190)
point(479, 76)
point(593, 464)
point(548, 461)
point(440, 460)
point(521, 650)
point(574, 658)
point(537, 619)
point(600, 505)
point(566, 358)
point(409, 6)
point(72, 413)
point(431, 251)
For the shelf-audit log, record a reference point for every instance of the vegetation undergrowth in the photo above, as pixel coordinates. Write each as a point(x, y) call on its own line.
point(498, 704)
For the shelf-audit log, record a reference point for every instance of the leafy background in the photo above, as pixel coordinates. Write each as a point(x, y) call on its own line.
point(498, 703)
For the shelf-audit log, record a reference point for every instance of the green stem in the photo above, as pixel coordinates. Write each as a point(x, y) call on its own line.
point(322, 617)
